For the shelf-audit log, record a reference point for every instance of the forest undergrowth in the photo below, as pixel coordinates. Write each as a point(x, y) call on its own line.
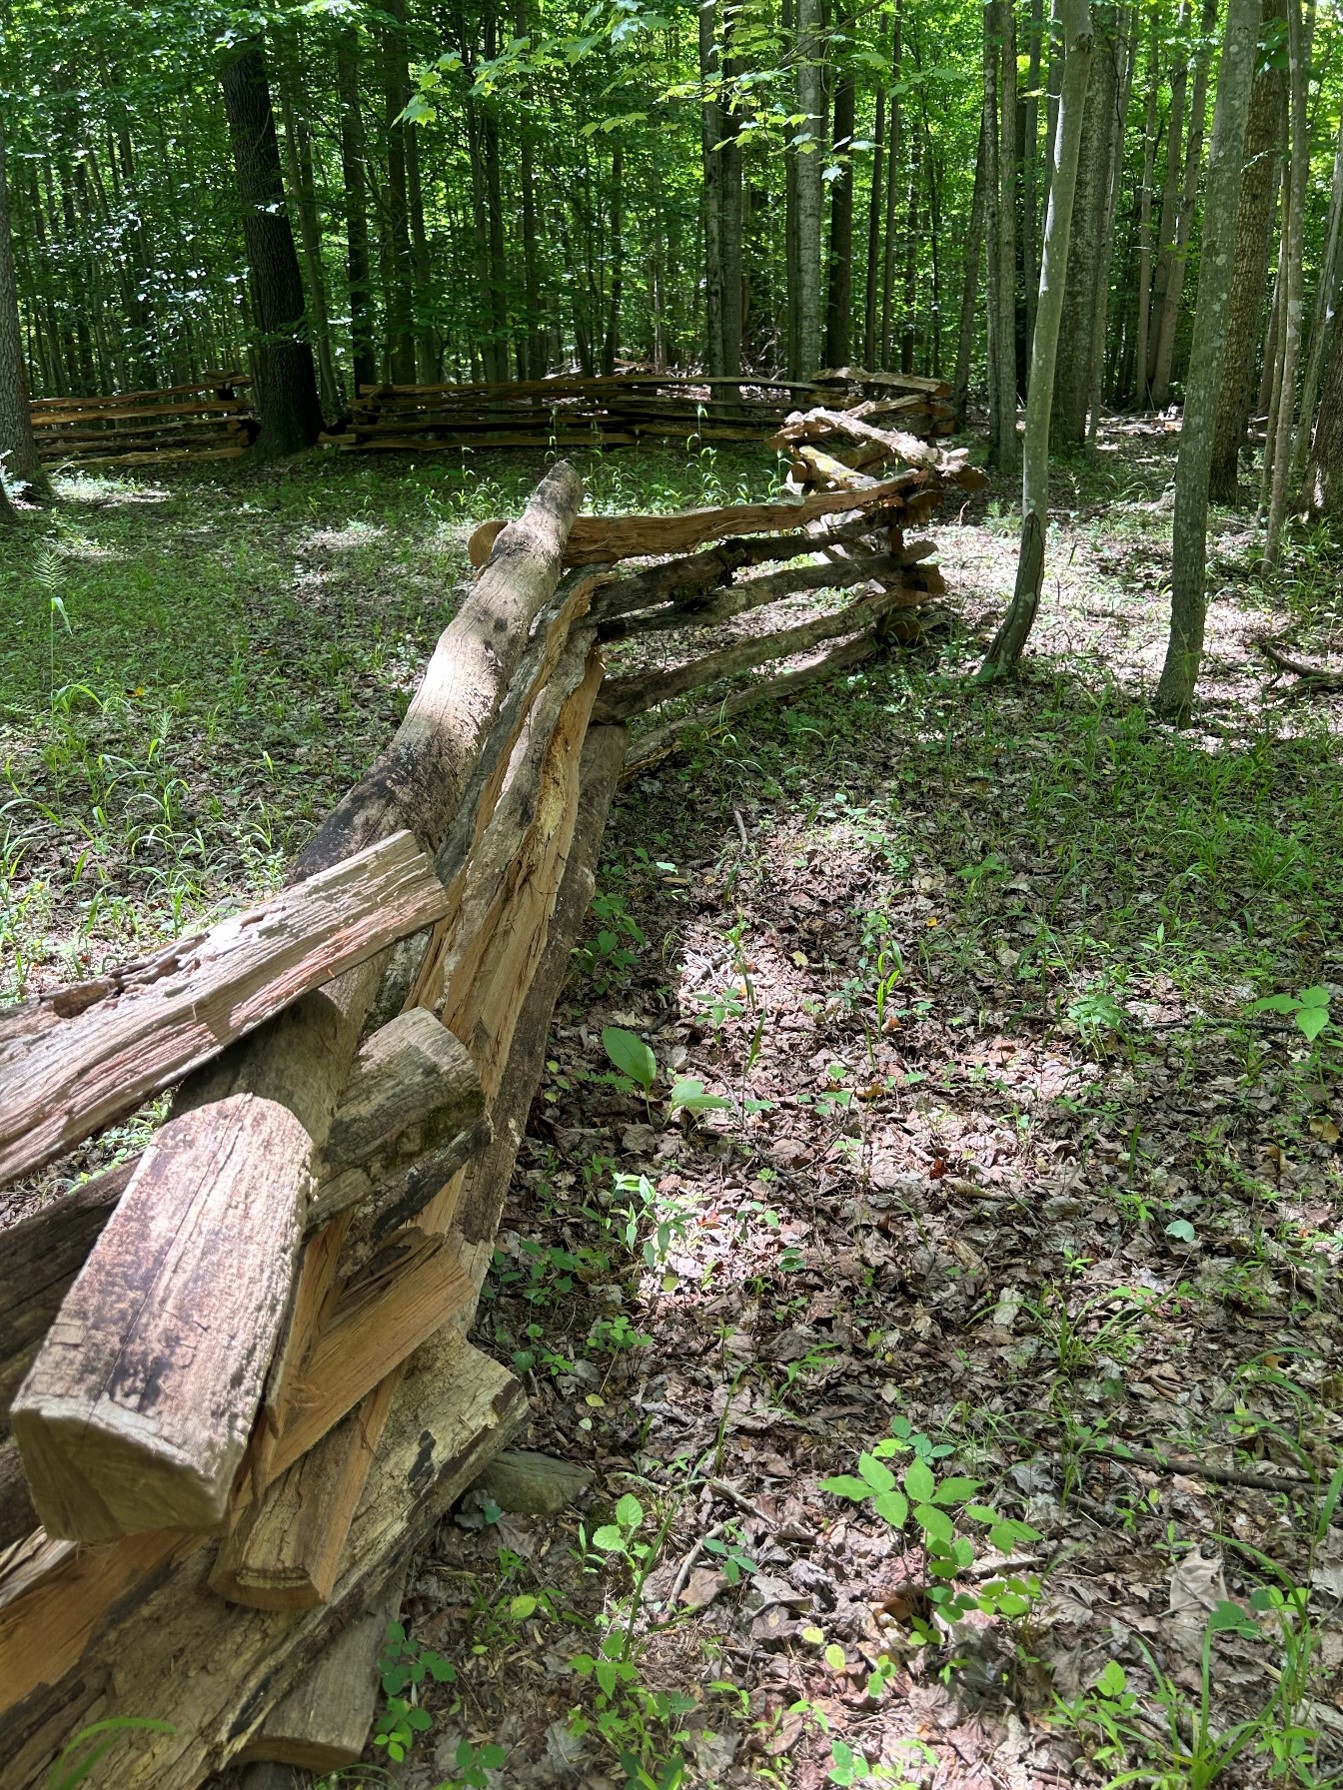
point(924, 1234)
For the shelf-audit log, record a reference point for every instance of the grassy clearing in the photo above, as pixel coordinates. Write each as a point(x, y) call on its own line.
point(996, 1174)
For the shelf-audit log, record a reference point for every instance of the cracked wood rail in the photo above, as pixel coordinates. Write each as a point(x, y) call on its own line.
point(73, 1061)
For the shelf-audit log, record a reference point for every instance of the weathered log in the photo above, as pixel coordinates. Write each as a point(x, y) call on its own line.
point(75, 1060)
point(812, 465)
point(17, 1516)
point(419, 780)
point(822, 425)
point(660, 742)
point(39, 1257)
point(476, 1219)
point(138, 1407)
point(413, 1087)
point(285, 1552)
point(630, 695)
point(66, 1651)
point(701, 572)
point(601, 540)
point(323, 1724)
point(754, 593)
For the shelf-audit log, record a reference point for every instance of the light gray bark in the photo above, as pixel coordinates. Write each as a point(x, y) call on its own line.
point(810, 159)
point(1184, 651)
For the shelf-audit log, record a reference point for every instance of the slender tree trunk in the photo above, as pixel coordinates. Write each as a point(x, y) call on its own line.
point(894, 162)
point(733, 198)
point(1143, 387)
point(427, 355)
point(1030, 181)
point(1298, 171)
point(532, 360)
point(810, 167)
point(911, 270)
point(1184, 652)
point(1269, 363)
point(870, 312)
point(1128, 50)
point(298, 158)
point(496, 281)
point(792, 256)
point(1324, 489)
point(1170, 192)
point(839, 303)
point(611, 346)
point(365, 365)
point(1184, 219)
point(1321, 324)
point(18, 450)
point(1009, 449)
point(965, 334)
point(1245, 308)
point(711, 144)
point(398, 298)
point(1008, 643)
point(1073, 369)
point(286, 383)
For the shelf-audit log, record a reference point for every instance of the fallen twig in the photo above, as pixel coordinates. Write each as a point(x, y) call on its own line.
point(1314, 677)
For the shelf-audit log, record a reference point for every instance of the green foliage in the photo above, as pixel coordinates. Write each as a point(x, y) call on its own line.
point(1309, 1010)
point(609, 957)
point(939, 1509)
point(631, 1056)
point(404, 1666)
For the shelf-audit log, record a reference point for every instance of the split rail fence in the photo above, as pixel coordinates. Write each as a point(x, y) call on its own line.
point(236, 1390)
point(207, 420)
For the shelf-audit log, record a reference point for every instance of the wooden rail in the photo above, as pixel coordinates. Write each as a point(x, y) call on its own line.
point(241, 1393)
point(207, 420)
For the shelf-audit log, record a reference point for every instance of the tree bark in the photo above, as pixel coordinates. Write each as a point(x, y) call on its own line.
point(1142, 385)
point(1298, 172)
point(872, 279)
point(810, 158)
point(839, 306)
point(1006, 649)
point(298, 155)
point(711, 153)
point(1170, 191)
point(1245, 310)
point(965, 334)
point(286, 382)
point(1008, 449)
point(365, 364)
point(1184, 651)
point(1322, 323)
point(1184, 217)
point(399, 296)
point(18, 450)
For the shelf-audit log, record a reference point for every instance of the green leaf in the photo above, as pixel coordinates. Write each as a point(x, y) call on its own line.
point(1227, 1618)
point(492, 1757)
point(630, 1055)
point(980, 1513)
point(419, 1719)
point(813, 1634)
point(629, 1512)
point(955, 1490)
point(877, 1475)
point(521, 1608)
point(835, 1657)
point(689, 1094)
point(609, 1538)
point(919, 1481)
point(844, 1485)
point(1314, 997)
point(893, 1506)
point(934, 1522)
point(1182, 1229)
point(607, 1676)
point(1312, 1021)
point(1274, 1003)
point(1113, 1681)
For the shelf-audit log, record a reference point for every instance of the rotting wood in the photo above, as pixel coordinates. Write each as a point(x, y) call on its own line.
point(17, 1516)
point(323, 1723)
point(630, 695)
point(524, 1483)
point(60, 1659)
point(598, 540)
point(753, 593)
point(73, 1061)
point(137, 1410)
point(821, 424)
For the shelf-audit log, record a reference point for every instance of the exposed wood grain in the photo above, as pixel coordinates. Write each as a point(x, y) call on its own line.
point(137, 1410)
point(164, 1643)
point(597, 540)
point(73, 1061)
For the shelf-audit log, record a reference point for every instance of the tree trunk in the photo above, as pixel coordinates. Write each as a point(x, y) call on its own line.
point(1298, 172)
point(1030, 182)
point(1322, 323)
point(711, 140)
point(810, 158)
point(365, 365)
point(286, 383)
point(1184, 219)
point(1128, 52)
point(1012, 635)
point(397, 269)
point(1142, 385)
point(611, 345)
point(298, 154)
point(1073, 371)
point(839, 305)
point(1245, 310)
point(1009, 451)
point(18, 450)
point(1170, 191)
point(965, 334)
point(894, 158)
point(870, 313)
point(1184, 652)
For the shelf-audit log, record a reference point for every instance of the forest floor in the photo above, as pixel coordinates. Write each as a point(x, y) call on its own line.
point(1008, 1185)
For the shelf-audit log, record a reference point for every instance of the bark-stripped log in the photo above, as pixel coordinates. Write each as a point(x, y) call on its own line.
point(67, 1655)
point(600, 540)
point(75, 1060)
point(137, 1410)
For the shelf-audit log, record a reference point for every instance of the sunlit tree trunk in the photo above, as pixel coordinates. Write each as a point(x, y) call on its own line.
point(965, 334)
point(839, 298)
point(1008, 643)
point(810, 168)
point(18, 450)
point(1142, 385)
point(873, 271)
point(1170, 190)
point(1184, 651)
point(1184, 218)
point(398, 296)
point(1322, 323)
point(298, 161)
point(1002, 217)
point(1072, 376)
point(1298, 171)
point(353, 179)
